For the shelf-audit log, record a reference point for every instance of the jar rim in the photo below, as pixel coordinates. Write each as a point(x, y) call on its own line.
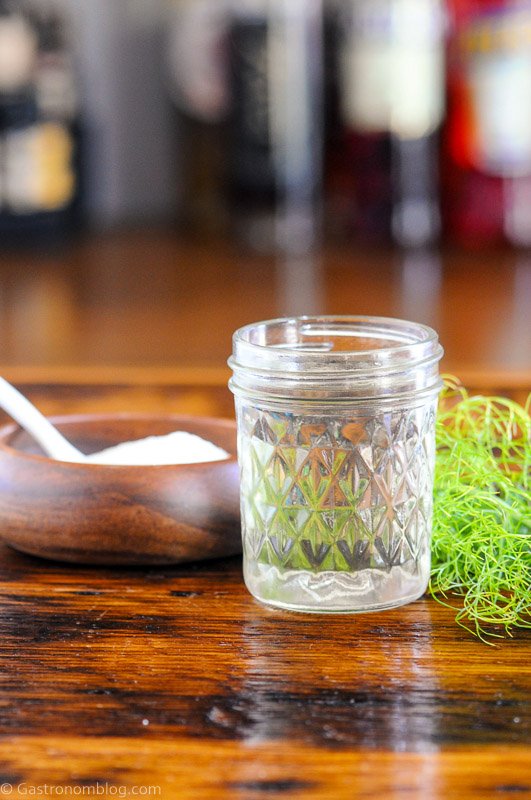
point(313, 356)
point(400, 337)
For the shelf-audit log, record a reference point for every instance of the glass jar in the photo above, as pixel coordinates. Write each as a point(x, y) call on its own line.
point(336, 443)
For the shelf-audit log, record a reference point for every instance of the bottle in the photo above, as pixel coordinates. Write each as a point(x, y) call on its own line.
point(198, 73)
point(487, 147)
point(251, 179)
point(275, 136)
point(392, 102)
point(37, 112)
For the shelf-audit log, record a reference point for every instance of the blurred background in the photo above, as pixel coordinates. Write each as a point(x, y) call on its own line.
point(173, 169)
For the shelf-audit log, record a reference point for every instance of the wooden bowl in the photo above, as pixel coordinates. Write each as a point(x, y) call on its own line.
point(99, 514)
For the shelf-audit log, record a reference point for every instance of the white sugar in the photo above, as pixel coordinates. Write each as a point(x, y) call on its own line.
point(179, 447)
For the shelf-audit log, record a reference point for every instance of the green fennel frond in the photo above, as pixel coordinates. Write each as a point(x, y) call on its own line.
point(481, 548)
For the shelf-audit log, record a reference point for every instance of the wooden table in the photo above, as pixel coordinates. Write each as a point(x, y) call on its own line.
point(175, 683)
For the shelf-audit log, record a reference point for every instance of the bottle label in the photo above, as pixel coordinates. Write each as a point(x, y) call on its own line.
point(18, 50)
point(38, 173)
point(392, 66)
point(497, 55)
point(197, 58)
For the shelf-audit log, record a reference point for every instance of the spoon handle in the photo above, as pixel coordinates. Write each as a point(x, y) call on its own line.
point(52, 442)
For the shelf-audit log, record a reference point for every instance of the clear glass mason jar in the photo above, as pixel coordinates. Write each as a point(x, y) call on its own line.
point(336, 443)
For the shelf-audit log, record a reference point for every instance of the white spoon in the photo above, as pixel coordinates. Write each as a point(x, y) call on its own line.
point(30, 418)
point(168, 449)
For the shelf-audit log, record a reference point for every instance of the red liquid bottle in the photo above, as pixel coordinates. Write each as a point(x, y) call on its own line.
point(391, 69)
point(487, 141)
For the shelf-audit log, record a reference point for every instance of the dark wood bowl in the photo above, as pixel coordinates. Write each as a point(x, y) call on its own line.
point(99, 514)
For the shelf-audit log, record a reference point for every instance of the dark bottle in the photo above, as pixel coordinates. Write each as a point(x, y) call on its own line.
point(38, 182)
point(487, 143)
point(276, 122)
point(251, 176)
point(392, 102)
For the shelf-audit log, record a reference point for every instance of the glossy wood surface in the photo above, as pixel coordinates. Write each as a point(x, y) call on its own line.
point(175, 678)
point(151, 298)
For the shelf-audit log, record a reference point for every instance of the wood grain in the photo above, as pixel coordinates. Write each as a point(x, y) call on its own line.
point(236, 695)
point(199, 770)
point(176, 678)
